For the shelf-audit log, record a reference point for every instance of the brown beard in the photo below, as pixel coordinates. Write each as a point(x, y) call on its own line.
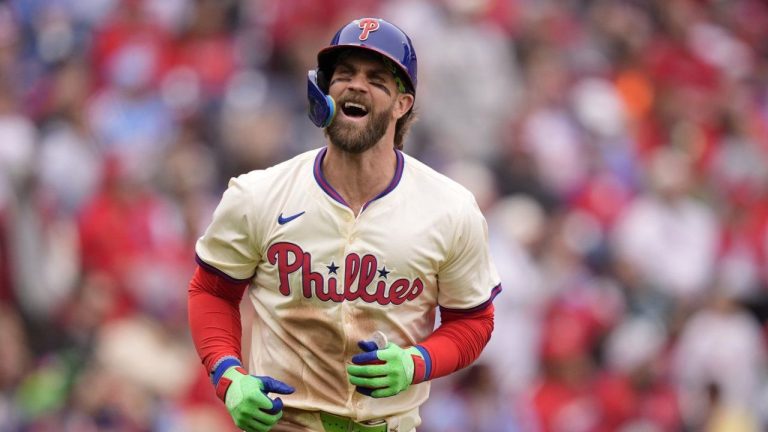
point(349, 138)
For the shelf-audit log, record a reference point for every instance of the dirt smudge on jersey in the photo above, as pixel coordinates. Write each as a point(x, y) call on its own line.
point(317, 339)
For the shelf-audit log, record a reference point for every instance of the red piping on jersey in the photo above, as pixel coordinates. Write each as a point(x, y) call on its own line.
point(327, 188)
point(214, 315)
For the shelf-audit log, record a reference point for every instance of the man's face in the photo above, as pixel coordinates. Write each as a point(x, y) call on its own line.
point(366, 95)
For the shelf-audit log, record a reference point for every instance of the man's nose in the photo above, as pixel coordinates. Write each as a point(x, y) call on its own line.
point(358, 83)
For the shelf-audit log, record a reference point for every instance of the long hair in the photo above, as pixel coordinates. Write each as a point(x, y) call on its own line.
point(402, 126)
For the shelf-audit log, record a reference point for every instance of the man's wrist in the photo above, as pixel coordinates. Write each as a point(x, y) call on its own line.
point(220, 382)
point(422, 363)
point(221, 366)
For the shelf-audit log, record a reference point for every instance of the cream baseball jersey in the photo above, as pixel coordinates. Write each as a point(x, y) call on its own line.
point(322, 279)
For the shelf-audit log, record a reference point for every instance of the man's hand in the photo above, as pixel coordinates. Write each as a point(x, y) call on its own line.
point(382, 372)
point(247, 401)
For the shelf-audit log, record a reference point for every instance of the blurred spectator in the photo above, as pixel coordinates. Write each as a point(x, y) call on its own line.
point(617, 149)
point(723, 417)
point(666, 234)
point(18, 135)
point(7, 294)
point(207, 47)
point(15, 361)
point(563, 399)
point(69, 163)
point(474, 404)
point(128, 118)
point(254, 125)
point(634, 390)
point(471, 86)
point(516, 229)
point(130, 48)
point(135, 236)
point(547, 131)
point(720, 345)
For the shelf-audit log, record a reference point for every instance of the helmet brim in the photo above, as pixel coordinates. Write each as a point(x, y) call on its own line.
point(327, 57)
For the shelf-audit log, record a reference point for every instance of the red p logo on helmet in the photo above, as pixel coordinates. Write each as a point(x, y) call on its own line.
point(367, 25)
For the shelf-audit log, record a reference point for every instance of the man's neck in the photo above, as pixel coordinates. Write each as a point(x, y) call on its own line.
point(359, 177)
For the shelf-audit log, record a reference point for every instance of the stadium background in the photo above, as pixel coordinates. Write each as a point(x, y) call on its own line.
point(618, 148)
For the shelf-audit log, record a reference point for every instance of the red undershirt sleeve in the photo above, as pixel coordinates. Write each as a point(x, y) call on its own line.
point(458, 341)
point(214, 316)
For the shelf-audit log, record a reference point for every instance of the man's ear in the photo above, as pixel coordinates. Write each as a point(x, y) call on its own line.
point(403, 104)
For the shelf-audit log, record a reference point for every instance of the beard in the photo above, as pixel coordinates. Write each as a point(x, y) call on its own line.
point(353, 138)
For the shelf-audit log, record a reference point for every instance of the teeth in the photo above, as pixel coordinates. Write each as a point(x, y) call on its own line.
point(355, 105)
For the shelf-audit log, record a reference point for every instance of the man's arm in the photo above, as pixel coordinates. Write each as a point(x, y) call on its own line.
point(457, 342)
point(214, 319)
point(214, 316)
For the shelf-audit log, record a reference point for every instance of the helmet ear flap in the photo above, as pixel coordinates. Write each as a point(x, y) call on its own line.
point(323, 81)
point(322, 108)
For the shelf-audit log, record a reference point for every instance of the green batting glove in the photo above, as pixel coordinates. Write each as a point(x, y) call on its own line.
point(385, 372)
point(246, 399)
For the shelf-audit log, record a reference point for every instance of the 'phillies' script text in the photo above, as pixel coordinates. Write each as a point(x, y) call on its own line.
point(359, 274)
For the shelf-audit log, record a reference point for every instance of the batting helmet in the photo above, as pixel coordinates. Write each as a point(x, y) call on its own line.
point(371, 34)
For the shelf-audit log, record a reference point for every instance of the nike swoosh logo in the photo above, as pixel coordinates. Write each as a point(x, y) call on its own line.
point(284, 220)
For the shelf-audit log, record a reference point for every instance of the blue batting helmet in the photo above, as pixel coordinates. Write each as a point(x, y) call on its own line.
point(379, 36)
point(371, 34)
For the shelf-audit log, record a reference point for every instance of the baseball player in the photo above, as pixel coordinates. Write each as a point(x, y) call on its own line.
point(346, 252)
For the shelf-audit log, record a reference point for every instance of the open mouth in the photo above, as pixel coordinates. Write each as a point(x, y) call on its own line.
point(354, 110)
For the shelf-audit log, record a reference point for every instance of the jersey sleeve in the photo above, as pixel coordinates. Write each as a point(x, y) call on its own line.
point(468, 279)
point(229, 245)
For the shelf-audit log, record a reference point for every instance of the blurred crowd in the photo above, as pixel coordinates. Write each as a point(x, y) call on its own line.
point(618, 148)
